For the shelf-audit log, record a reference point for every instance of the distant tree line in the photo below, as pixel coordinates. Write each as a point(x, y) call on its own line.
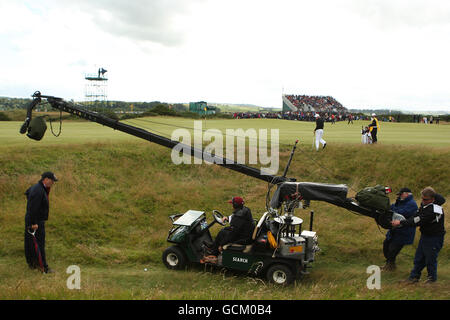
point(118, 110)
point(13, 103)
point(127, 110)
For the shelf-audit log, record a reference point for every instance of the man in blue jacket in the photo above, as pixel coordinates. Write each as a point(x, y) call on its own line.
point(396, 238)
point(430, 219)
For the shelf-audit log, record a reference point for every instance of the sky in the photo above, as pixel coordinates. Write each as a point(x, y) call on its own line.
point(366, 54)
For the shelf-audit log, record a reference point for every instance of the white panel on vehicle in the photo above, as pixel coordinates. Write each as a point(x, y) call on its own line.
point(308, 234)
point(188, 217)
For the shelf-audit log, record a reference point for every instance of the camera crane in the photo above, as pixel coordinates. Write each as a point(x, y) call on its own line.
point(289, 192)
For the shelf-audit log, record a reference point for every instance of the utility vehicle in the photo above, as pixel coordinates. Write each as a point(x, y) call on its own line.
point(280, 250)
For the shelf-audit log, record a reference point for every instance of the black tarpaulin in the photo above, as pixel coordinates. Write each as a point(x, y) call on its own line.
point(332, 193)
point(335, 194)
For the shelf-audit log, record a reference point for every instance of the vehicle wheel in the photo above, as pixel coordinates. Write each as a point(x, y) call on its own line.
point(280, 274)
point(173, 258)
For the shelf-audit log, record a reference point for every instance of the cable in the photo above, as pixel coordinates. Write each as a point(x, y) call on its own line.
point(315, 162)
point(204, 130)
point(60, 124)
point(163, 134)
point(312, 158)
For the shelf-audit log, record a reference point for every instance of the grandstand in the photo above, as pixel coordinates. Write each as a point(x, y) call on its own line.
point(306, 103)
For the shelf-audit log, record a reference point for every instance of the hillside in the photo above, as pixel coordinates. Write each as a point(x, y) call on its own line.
point(109, 215)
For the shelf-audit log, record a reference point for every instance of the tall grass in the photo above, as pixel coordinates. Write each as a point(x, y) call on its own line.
point(109, 215)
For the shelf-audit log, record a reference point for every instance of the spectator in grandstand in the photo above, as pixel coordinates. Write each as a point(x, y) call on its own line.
point(317, 103)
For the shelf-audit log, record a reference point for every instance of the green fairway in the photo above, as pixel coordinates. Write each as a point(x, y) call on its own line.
point(109, 211)
point(390, 133)
point(341, 132)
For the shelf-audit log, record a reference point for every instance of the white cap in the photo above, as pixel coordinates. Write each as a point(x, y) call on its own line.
point(317, 115)
point(373, 114)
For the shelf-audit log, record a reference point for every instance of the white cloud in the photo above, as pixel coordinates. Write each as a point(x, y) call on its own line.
point(364, 53)
point(388, 14)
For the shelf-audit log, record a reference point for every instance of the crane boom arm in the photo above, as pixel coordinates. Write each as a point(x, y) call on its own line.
point(334, 194)
point(69, 107)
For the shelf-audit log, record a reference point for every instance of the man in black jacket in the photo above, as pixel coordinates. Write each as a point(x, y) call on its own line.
point(35, 217)
point(430, 218)
point(240, 229)
point(373, 127)
point(318, 132)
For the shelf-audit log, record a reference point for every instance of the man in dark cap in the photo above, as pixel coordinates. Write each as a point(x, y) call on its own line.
point(240, 229)
point(35, 217)
point(374, 127)
point(396, 238)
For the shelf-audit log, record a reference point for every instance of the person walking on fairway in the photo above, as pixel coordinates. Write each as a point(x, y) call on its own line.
point(318, 132)
point(35, 217)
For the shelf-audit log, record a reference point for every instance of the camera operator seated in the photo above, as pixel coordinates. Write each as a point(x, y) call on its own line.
point(239, 231)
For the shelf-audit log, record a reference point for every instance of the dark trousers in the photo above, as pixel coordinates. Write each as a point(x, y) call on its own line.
point(391, 250)
point(223, 237)
point(374, 136)
point(426, 256)
point(30, 250)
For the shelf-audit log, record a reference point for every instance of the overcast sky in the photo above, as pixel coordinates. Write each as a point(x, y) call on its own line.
point(366, 54)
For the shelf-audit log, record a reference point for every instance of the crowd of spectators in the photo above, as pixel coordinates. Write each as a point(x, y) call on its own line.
point(307, 107)
point(426, 120)
point(319, 104)
point(329, 109)
point(299, 115)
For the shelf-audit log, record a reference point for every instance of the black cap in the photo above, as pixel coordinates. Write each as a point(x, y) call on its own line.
point(404, 190)
point(49, 175)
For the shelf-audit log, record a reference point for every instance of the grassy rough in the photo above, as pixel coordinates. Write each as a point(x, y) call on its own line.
point(109, 215)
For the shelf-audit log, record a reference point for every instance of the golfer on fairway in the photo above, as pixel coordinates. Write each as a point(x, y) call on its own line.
point(318, 131)
point(35, 217)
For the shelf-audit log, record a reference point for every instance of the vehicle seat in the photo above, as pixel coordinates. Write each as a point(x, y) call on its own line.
point(236, 246)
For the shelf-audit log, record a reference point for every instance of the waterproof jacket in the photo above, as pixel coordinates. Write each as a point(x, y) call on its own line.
point(241, 225)
point(407, 208)
point(374, 126)
point(430, 218)
point(37, 204)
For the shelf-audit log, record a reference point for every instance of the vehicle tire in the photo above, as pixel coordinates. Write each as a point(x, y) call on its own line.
point(280, 274)
point(174, 258)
